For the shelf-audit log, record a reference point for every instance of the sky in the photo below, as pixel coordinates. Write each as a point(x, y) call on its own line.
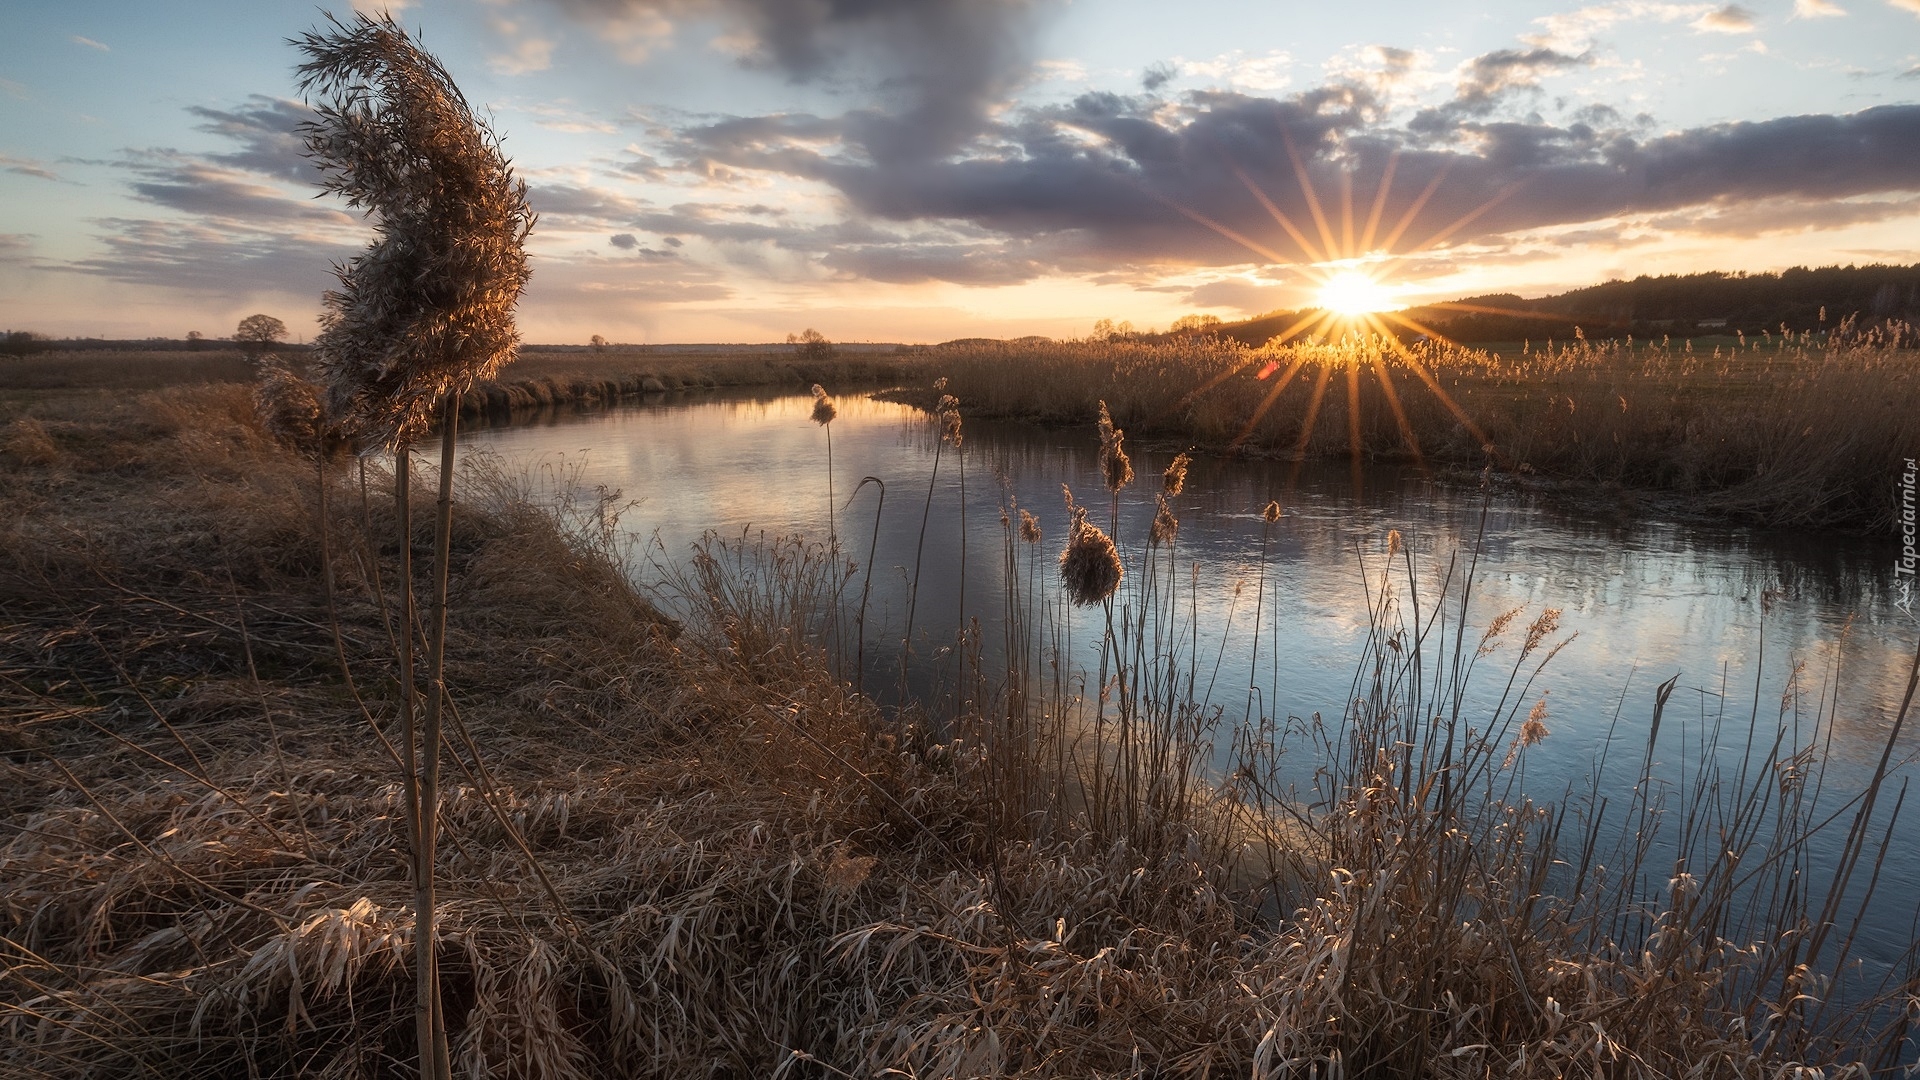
point(921, 170)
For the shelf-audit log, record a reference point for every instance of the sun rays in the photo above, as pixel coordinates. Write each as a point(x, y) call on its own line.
point(1358, 322)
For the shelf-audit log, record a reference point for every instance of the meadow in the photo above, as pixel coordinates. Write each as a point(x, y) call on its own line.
point(681, 845)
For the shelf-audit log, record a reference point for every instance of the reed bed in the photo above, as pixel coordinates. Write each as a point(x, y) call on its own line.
point(677, 847)
point(540, 380)
point(1786, 430)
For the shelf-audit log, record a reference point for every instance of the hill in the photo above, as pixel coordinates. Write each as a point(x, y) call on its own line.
point(1679, 305)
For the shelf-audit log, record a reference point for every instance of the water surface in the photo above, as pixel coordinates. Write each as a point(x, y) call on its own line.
point(1733, 613)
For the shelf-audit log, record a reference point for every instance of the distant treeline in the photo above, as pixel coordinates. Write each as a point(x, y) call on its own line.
point(26, 343)
point(1676, 305)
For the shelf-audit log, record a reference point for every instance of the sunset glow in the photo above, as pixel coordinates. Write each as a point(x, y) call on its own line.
point(1351, 292)
point(899, 172)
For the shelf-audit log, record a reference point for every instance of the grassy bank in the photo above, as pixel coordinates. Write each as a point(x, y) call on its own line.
point(1775, 432)
point(684, 849)
point(537, 380)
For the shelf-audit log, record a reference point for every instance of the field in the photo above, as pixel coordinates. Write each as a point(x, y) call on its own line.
point(681, 847)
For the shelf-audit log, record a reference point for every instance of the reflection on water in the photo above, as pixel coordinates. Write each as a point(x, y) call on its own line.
point(1730, 611)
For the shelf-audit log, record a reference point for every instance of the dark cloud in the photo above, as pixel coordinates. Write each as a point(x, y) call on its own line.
point(581, 205)
point(242, 216)
point(934, 68)
point(1244, 296)
point(202, 258)
point(911, 263)
point(1489, 78)
point(266, 137)
point(198, 186)
point(624, 241)
point(1110, 179)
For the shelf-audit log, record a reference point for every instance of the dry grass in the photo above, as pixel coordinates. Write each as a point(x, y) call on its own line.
point(541, 380)
point(693, 853)
point(1782, 432)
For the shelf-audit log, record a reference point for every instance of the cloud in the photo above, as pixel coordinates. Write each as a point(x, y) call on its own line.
point(207, 189)
point(934, 69)
point(381, 7)
point(1785, 215)
point(1109, 180)
point(1239, 295)
point(27, 167)
point(1731, 19)
point(1911, 6)
point(14, 247)
point(266, 133)
point(212, 259)
point(581, 205)
point(623, 241)
point(1484, 81)
point(1486, 77)
point(1574, 31)
point(528, 54)
point(1817, 9)
point(90, 43)
point(1239, 71)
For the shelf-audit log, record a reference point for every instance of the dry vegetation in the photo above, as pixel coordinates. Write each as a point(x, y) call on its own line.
point(1789, 432)
point(675, 850)
point(538, 380)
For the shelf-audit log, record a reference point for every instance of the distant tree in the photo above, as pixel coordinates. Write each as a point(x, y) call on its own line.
point(811, 344)
point(196, 340)
point(259, 333)
point(22, 342)
point(1195, 324)
point(597, 342)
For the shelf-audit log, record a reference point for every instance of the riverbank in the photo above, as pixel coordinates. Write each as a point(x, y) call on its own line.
point(683, 848)
point(1785, 433)
point(537, 380)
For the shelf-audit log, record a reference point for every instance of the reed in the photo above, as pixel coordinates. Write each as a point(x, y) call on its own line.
point(1790, 430)
point(421, 316)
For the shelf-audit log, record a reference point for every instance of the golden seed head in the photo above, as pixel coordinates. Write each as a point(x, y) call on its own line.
point(824, 410)
point(1090, 565)
point(1271, 514)
point(292, 409)
point(1116, 468)
point(1029, 527)
point(940, 385)
point(1393, 542)
point(950, 419)
point(1165, 525)
point(1546, 624)
point(1174, 480)
point(426, 311)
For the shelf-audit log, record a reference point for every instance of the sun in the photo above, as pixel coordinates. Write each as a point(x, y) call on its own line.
point(1351, 292)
